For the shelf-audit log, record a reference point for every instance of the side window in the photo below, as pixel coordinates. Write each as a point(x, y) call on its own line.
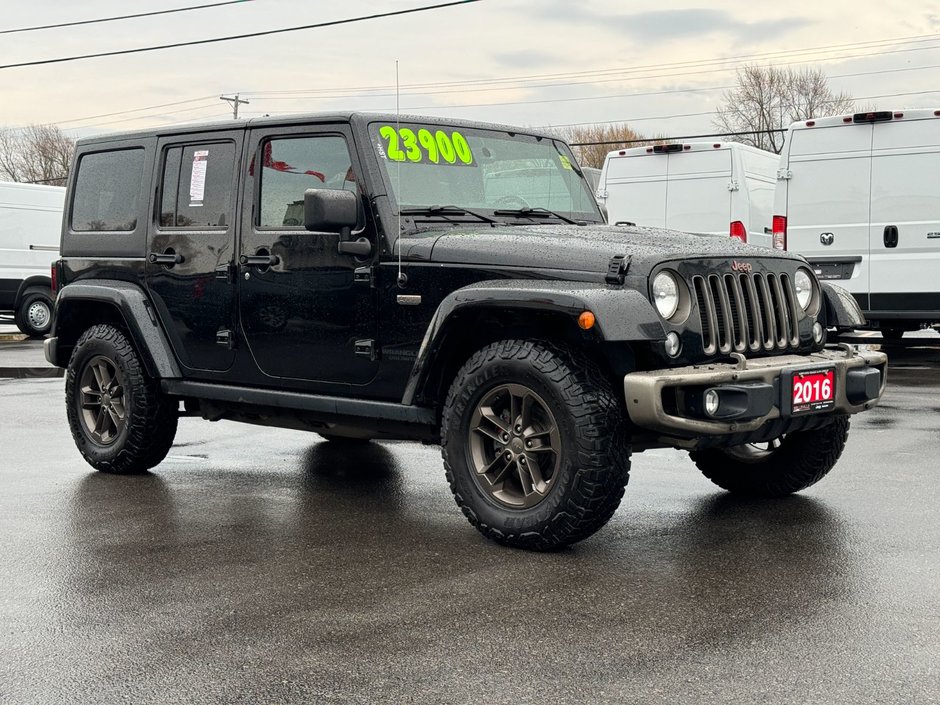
point(106, 191)
point(290, 166)
point(197, 186)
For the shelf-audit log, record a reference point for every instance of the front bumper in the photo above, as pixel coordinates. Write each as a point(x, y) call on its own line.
point(655, 399)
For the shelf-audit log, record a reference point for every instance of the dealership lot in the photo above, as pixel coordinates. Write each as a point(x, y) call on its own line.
point(263, 566)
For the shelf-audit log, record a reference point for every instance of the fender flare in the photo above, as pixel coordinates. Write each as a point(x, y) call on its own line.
point(842, 310)
point(623, 315)
point(131, 302)
point(35, 280)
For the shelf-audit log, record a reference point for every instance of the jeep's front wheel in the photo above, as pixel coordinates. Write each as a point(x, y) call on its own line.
point(780, 467)
point(120, 419)
point(534, 444)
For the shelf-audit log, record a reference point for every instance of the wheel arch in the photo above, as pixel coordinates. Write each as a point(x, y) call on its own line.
point(475, 316)
point(81, 305)
point(37, 280)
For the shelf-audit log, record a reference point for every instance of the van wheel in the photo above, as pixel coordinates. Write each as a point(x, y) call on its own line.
point(120, 419)
point(534, 444)
point(780, 467)
point(34, 316)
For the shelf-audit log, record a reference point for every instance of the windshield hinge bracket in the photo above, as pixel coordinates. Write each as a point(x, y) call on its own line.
point(617, 269)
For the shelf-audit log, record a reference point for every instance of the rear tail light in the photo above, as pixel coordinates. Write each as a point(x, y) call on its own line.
point(780, 232)
point(54, 277)
point(738, 231)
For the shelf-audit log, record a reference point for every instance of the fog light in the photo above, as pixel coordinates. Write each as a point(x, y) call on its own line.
point(818, 332)
point(673, 346)
point(711, 402)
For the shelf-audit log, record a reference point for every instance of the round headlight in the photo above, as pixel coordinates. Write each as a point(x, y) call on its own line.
point(666, 294)
point(804, 288)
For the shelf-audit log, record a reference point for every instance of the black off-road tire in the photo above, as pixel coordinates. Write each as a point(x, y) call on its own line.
point(801, 460)
point(893, 334)
point(344, 439)
point(25, 317)
point(594, 461)
point(151, 417)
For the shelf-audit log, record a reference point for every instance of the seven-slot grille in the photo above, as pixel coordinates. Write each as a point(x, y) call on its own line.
point(746, 312)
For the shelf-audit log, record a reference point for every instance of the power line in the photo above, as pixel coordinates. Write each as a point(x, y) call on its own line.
point(214, 40)
point(121, 17)
point(912, 39)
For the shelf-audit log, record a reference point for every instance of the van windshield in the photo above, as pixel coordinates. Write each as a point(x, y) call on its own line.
point(482, 170)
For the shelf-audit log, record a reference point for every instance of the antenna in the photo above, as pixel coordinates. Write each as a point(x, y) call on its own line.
point(402, 279)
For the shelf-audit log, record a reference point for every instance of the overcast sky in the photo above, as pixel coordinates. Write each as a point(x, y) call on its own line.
point(492, 40)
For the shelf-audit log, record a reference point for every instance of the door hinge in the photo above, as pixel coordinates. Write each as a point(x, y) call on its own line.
point(362, 275)
point(225, 272)
point(366, 348)
point(225, 338)
point(617, 269)
point(733, 185)
point(784, 174)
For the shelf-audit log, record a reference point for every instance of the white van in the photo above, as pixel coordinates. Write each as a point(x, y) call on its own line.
point(719, 188)
point(859, 197)
point(30, 226)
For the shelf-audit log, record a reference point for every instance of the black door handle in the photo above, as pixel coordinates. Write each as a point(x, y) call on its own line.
point(259, 260)
point(891, 236)
point(168, 258)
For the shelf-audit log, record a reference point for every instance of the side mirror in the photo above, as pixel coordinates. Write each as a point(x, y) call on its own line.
point(330, 210)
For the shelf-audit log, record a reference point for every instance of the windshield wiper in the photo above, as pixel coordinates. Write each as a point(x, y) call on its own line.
point(446, 211)
point(530, 212)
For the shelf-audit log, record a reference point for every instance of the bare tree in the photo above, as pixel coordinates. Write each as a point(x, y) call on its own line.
point(36, 154)
point(770, 98)
point(612, 135)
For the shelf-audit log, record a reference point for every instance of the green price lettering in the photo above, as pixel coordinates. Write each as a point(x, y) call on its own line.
point(391, 137)
point(410, 141)
point(425, 147)
point(430, 145)
point(462, 148)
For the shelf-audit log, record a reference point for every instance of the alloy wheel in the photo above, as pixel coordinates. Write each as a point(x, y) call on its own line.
point(101, 401)
point(514, 446)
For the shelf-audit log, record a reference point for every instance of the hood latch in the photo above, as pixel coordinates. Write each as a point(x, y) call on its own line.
point(617, 269)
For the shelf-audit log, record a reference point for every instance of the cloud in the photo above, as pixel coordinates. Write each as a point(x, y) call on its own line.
point(531, 58)
point(671, 25)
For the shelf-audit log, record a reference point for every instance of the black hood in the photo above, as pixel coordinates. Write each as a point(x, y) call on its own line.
point(571, 247)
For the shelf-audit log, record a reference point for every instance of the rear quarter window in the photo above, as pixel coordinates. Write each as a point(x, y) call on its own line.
point(107, 189)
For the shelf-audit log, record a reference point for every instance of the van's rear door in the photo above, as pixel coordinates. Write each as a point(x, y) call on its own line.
point(905, 218)
point(828, 203)
point(636, 189)
point(698, 198)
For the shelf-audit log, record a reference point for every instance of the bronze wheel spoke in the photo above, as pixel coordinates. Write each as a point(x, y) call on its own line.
point(100, 400)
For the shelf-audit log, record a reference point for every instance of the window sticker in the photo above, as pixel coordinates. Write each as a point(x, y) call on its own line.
point(422, 146)
point(197, 181)
point(565, 162)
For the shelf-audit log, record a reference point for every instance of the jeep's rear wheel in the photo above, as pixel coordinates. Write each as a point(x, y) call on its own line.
point(120, 419)
point(534, 444)
point(779, 467)
point(34, 315)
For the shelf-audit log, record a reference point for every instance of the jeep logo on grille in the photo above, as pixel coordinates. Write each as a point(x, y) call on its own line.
point(744, 267)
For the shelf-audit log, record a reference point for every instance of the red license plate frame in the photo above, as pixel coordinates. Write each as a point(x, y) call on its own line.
point(810, 391)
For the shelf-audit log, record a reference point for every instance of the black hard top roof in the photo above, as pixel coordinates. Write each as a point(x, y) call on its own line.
point(301, 119)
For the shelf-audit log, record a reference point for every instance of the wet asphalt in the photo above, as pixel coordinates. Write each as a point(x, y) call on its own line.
point(264, 566)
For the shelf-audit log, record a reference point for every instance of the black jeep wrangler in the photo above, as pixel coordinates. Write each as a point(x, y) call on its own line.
point(375, 277)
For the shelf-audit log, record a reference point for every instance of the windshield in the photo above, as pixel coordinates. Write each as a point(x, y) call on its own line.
point(490, 170)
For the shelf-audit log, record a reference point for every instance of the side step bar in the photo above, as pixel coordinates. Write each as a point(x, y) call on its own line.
point(333, 406)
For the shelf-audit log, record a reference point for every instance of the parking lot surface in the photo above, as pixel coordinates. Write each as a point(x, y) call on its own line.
point(264, 566)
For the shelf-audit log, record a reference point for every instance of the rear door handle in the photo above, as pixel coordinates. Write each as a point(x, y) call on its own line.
point(168, 258)
point(259, 260)
point(891, 236)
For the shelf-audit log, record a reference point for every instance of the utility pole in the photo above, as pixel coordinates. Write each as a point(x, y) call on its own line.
point(235, 103)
